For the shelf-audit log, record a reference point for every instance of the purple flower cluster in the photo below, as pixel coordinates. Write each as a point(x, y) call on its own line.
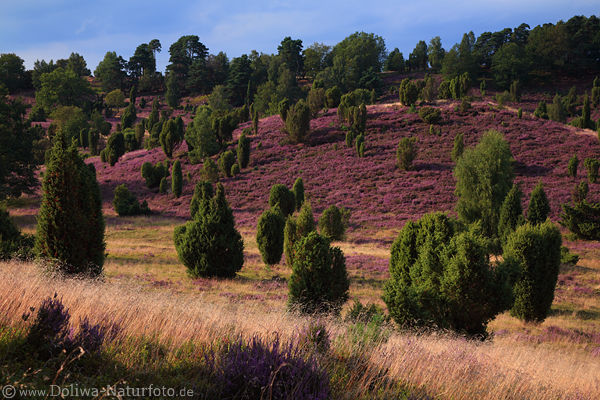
point(272, 370)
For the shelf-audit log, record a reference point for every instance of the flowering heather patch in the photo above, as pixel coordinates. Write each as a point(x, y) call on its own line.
point(365, 263)
point(378, 195)
point(272, 370)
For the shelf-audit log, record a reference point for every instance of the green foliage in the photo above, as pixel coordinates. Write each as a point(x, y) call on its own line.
point(511, 214)
point(429, 91)
point(70, 229)
point(319, 281)
point(406, 152)
point(223, 126)
point(298, 190)
point(539, 207)
point(163, 187)
point(218, 100)
point(282, 196)
point(430, 115)
point(115, 99)
point(520, 113)
point(502, 98)
point(210, 170)
point(442, 277)
point(459, 147)
point(255, 121)
point(541, 111)
point(209, 245)
point(591, 165)
point(115, 148)
point(333, 96)
point(395, 61)
point(332, 224)
point(200, 136)
point(153, 174)
point(99, 124)
point(176, 179)
point(359, 145)
point(12, 73)
point(17, 146)
point(154, 114)
point(296, 228)
point(409, 92)
point(130, 140)
point(140, 132)
point(566, 257)
point(482, 88)
point(129, 116)
point(171, 135)
point(200, 203)
point(484, 176)
point(283, 108)
point(226, 161)
point(582, 219)
point(573, 165)
point(243, 151)
point(297, 123)
point(93, 139)
point(515, 91)
point(586, 121)
point(316, 101)
point(580, 192)
point(125, 203)
point(111, 71)
point(556, 111)
point(62, 88)
point(536, 249)
point(269, 235)
point(70, 120)
point(235, 169)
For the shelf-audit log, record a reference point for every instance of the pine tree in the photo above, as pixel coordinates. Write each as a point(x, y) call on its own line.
point(269, 235)
point(539, 207)
point(511, 213)
point(70, 229)
point(176, 179)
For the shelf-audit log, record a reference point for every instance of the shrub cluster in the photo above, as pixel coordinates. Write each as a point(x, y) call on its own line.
point(333, 223)
point(430, 115)
point(296, 228)
point(281, 196)
point(153, 174)
point(408, 92)
point(406, 152)
point(297, 122)
point(125, 202)
point(115, 148)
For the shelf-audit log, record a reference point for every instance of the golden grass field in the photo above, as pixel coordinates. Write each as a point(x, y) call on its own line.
point(147, 290)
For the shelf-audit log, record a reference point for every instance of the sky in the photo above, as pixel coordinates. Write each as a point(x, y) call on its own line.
point(52, 29)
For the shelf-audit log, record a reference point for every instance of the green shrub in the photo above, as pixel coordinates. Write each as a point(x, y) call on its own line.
point(93, 139)
point(243, 151)
point(539, 207)
point(331, 223)
point(70, 224)
point(408, 92)
point(319, 281)
point(430, 115)
point(176, 179)
point(226, 161)
point(129, 116)
point(537, 252)
point(406, 152)
point(591, 165)
point(209, 245)
point(441, 277)
point(200, 203)
point(297, 123)
point(153, 174)
point(235, 169)
point(459, 147)
point(115, 148)
point(582, 219)
point(541, 111)
point(515, 91)
point(163, 186)
point(281, 195)
point(520, 113)
point(316, 101)
point(283, 108)
point(171, 135)
point(333, 96)
point(484, 176)
point(573, 165)
point(125, 203)
point(568, 258)
point(210, 170)
point(298, 190)
point(556, 111)
point(580, 192)
point(359, 145)
point(296, 228)
point(511, 214)
point(13, 244)
point(269, 235)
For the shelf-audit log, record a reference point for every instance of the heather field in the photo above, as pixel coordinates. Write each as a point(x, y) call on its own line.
point(175, 319)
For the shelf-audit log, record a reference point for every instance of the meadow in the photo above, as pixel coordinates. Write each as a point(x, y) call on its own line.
point(174, 319)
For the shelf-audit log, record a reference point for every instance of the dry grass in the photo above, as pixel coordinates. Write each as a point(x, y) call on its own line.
point(447, 367)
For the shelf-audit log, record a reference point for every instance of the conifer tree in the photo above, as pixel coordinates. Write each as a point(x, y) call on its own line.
point(296, 228)
point(176, 179)
point(269, 235)
point(573, 164)
point(298, 190)
point(539, 207)
point(243, 151)
point(459, 146)
point(511, 213)
point(70, 229)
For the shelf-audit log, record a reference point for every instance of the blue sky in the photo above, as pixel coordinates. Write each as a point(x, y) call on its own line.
point(52, 29)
